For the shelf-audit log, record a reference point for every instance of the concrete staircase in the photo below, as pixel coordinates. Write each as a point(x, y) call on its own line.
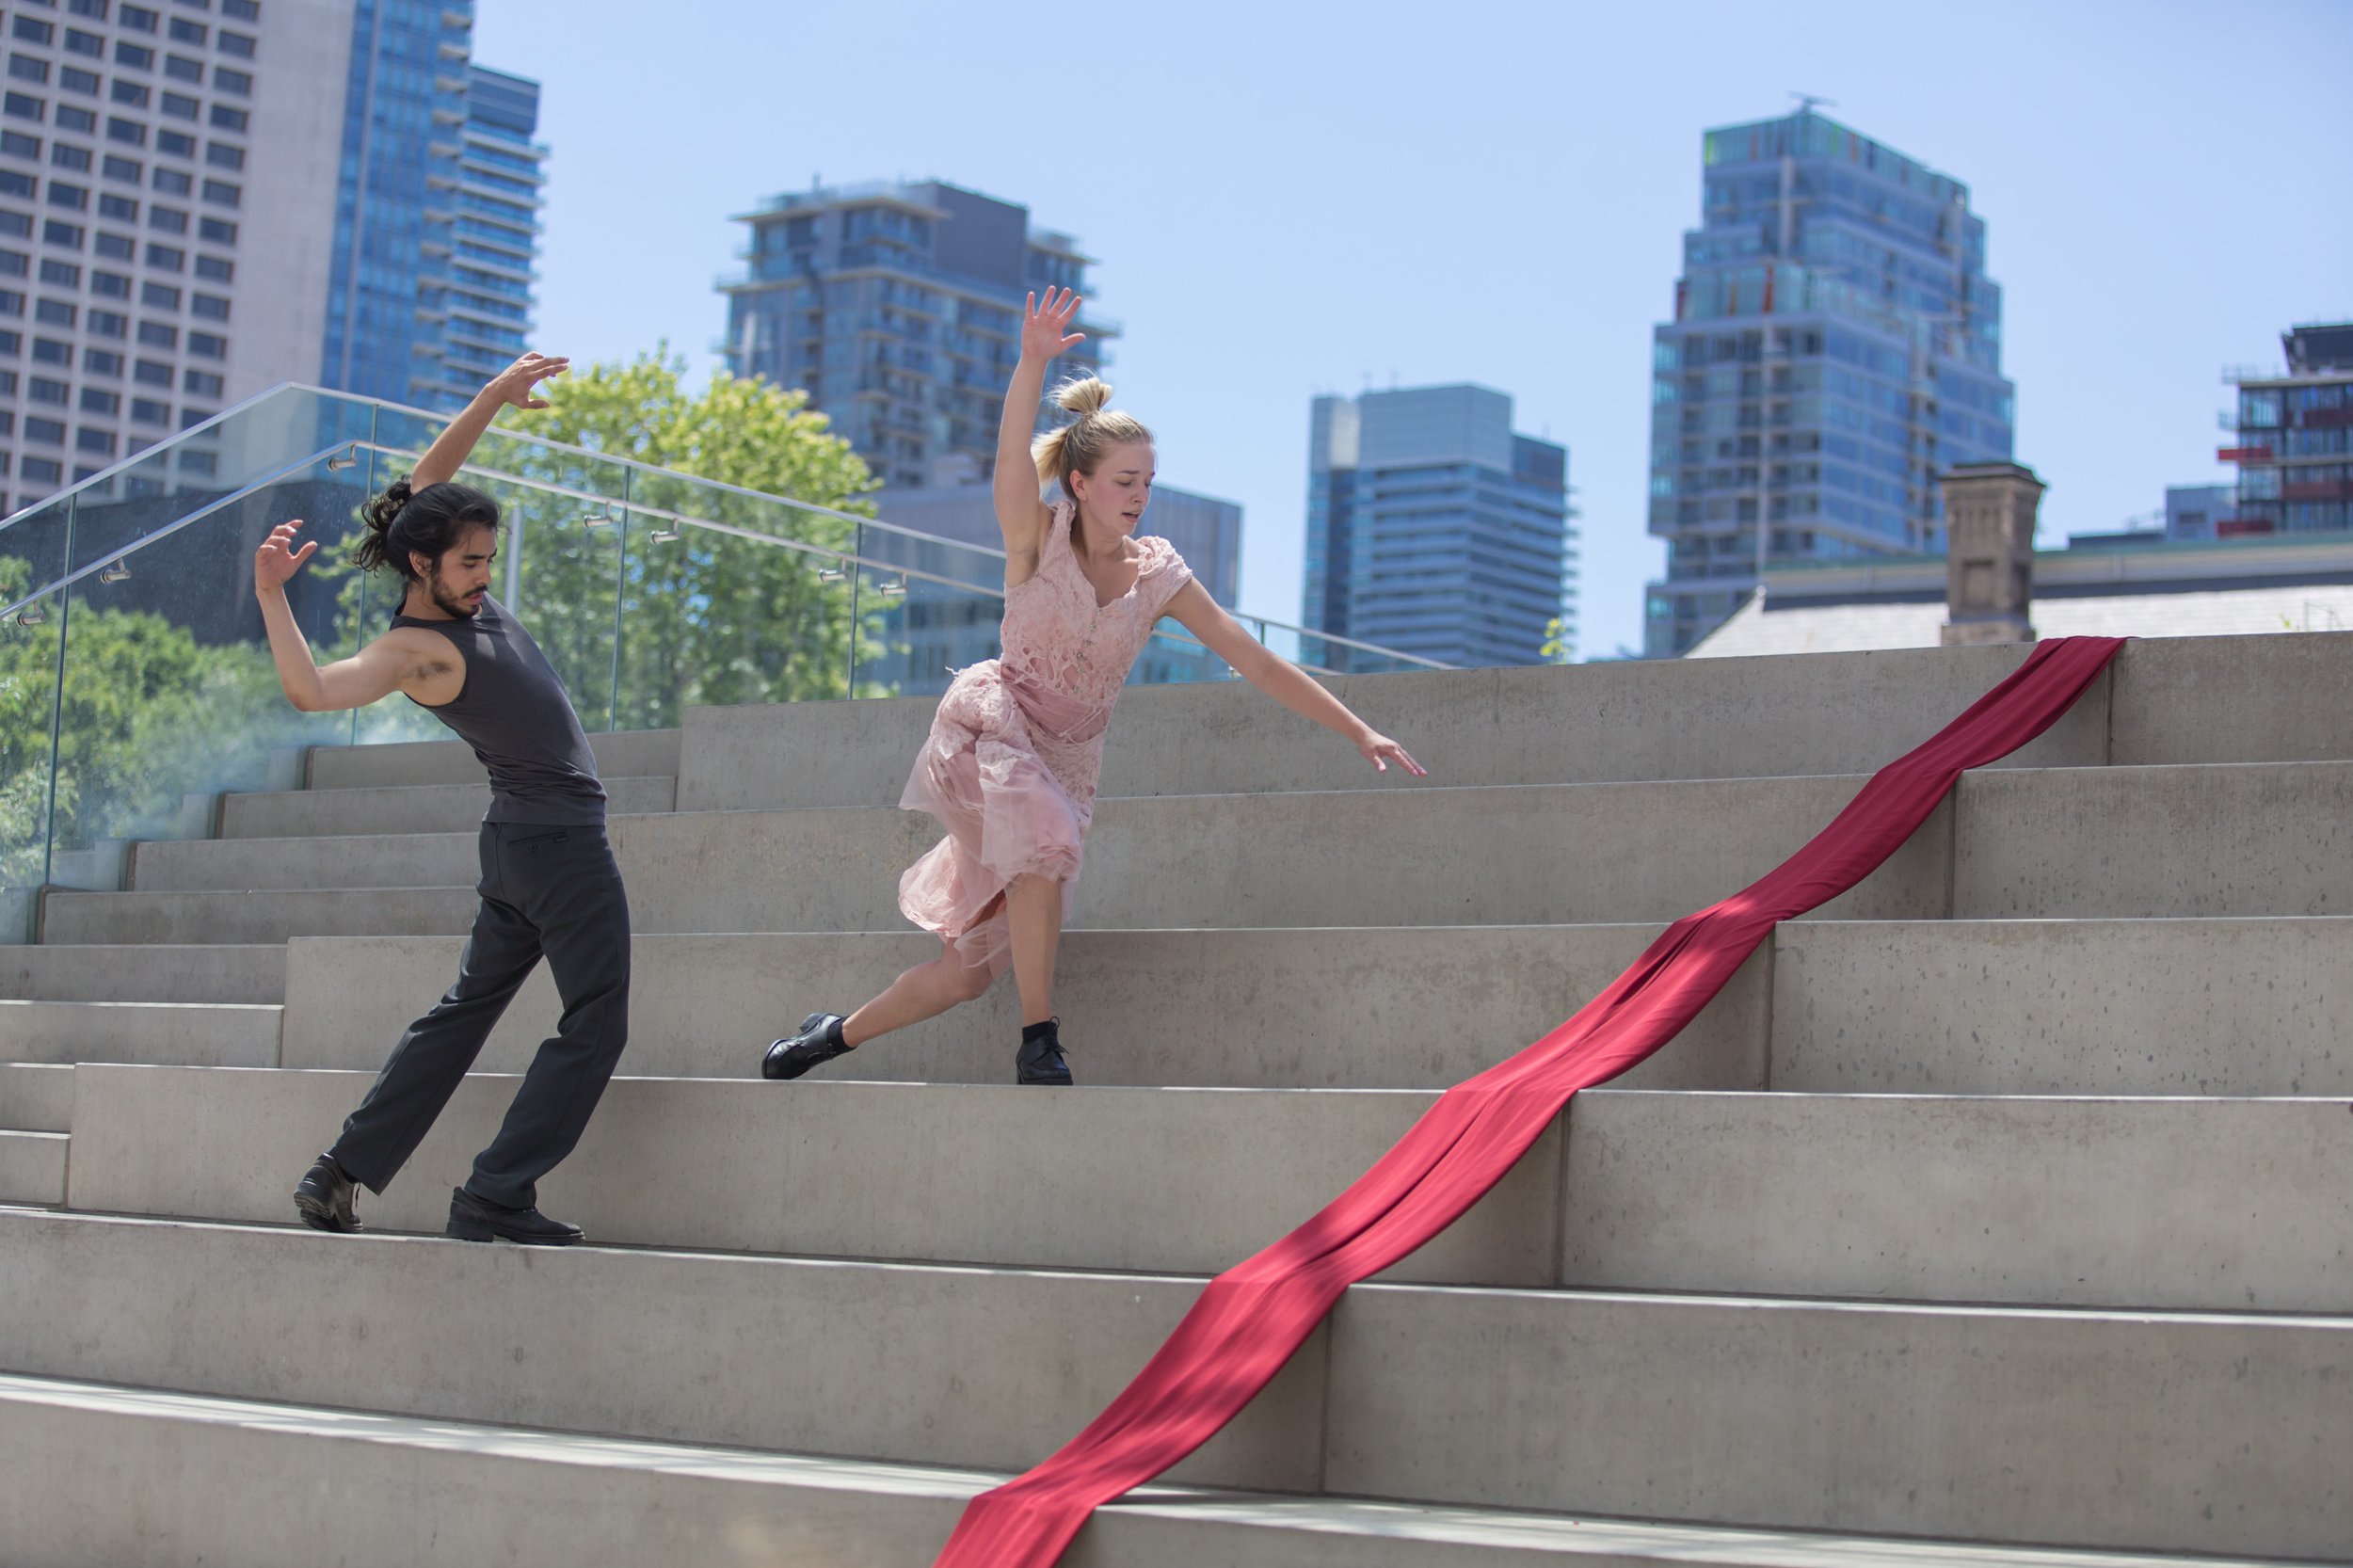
point(2000, 1213)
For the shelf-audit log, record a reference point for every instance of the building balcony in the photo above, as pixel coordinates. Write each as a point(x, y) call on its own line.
point(2243, 454)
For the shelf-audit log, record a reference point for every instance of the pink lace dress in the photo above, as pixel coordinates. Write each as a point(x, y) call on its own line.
point(1015, 751)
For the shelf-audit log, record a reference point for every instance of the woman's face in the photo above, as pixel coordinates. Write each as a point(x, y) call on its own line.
point(1115, 494)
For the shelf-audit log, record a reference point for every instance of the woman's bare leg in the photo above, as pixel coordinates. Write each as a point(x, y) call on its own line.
point(922, 992)
point(1034, 905)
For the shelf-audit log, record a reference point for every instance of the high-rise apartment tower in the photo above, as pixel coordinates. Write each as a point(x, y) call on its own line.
point(1836, 346)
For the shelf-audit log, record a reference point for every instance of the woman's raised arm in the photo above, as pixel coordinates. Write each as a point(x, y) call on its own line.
point(1045, 332)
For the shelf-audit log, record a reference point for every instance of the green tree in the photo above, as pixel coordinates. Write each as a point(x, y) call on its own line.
point(705, 615)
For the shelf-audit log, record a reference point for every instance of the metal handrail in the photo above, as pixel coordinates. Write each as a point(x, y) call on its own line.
point(250, 488)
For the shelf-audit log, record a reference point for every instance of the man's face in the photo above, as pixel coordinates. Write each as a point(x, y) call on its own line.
point(459, 579)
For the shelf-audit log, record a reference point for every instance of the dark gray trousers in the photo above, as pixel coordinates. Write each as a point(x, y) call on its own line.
point(553, 892)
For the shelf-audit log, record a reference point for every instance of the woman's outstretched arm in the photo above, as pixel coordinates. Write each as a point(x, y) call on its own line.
point(1045, 332)
point(514, 385)
point(1285, 682)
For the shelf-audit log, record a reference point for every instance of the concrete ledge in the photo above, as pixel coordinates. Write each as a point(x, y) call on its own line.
point(979, 1367)
point(37, 1097)
point(165, 919)
point(188, 1479)
point(1385, 1007)
point(630, 754)
point(2184, 1434)
point(1159, 1180)
point(2034, 1007)
point(2212, 1205)
point(33, 1167)
point(2233, 700)
point(1582, 724)
point(144, 973)
point(2244, 839)
point(409, 808)
point(209, 1035)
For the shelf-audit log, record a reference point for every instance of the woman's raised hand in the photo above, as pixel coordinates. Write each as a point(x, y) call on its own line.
point(1045, 329)
point(1380, 751)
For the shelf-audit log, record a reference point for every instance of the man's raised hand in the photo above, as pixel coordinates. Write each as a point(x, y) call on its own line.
point(1045, 329)
point(278, 559)
point(518, 383)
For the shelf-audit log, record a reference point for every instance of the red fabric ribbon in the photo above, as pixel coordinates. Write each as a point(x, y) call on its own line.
point(1250, 1319)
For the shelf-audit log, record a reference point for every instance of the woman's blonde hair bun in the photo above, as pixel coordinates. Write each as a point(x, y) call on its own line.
point(1081, 446)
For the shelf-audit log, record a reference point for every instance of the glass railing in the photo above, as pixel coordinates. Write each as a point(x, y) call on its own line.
point(136, 678)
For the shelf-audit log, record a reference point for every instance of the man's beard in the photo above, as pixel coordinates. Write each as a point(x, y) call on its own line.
point(449, 603)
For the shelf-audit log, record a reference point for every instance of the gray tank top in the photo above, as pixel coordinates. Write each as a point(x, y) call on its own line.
point(514, 714)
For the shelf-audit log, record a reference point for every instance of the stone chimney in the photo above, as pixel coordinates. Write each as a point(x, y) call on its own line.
point(1989, 566)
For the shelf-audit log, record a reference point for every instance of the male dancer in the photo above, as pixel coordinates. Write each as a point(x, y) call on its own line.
point(549, 882)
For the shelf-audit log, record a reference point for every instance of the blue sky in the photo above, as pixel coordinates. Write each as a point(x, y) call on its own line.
point(1288, 198)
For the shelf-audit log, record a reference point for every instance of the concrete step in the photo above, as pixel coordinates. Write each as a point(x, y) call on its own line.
point(1177, 1181)
point(2220, 1205)
point(1588, 724)
point(2246, 1006)
point(2149, 1432)
point(400, 808)
point(985, 1368)
point(33, 1167)
point(166, 919)
point(1385, 1007)
point(628, 754)
point(37, 1097)
point(2258, 839)
point(267, 1485)
point(201, 1035)
point(197, 972)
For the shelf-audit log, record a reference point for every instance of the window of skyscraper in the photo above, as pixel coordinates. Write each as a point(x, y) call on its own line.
point(178, 143)
point(25, 67)
point(14, 264)
point(136, 56)
point(201, 383)
point(41, 388)
point(209, 306)
point(236, 44)
point(238, 82)
point(71, 118)
point(138, 19)
point(217, 230)
point(169, 220)
point(16, 144)
point(63, 195)
point(101, 361)
point(155, 334)
point(222, 194)
point(179, 106)
point(75, 80)
point(174, 182)
point(23, 107)
point(65, 275)
point(97, 400)
point(151, 374)
point(75, 158)
point(107, 324)
point(80, 42)
point(179, 68)
point(109, 285)
point(49, 432)
point(222, 155)
point(33, 30)
point(227, 119)
point(207, 346)
point(184, 31)
point(219, 269)
point(39, 470)
point(146, 411)
point(128, 169)
point(129, 132)
point(95, 10)
point(118, 207)
point(95, 440)
point(133, 93)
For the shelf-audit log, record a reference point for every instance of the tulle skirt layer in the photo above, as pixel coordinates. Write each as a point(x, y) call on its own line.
point(988, 774)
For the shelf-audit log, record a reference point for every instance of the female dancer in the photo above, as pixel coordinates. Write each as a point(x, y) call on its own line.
point(1011, 765)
